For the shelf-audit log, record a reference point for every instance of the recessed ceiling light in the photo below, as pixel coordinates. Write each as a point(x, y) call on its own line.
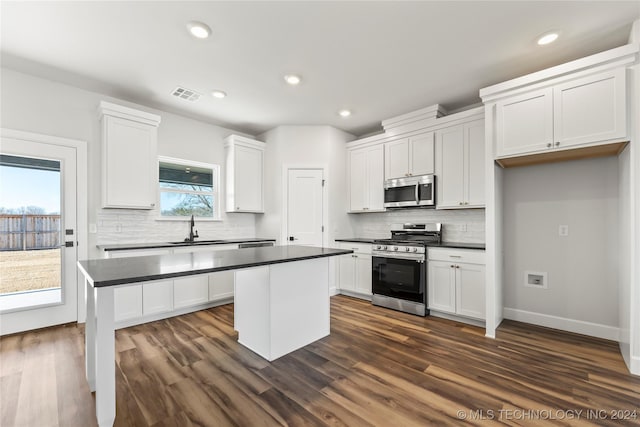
point(198, 29)
point(218, 94)
point(292, 79)
point(548, 38)
point(344, 113)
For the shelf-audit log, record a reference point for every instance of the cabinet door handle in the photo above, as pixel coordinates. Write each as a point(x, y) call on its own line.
point(457, 266)
point(237, 208)
point(557, 143)
point(548, 145)
point(452, 266)
point(455, 256)
point(153, 204)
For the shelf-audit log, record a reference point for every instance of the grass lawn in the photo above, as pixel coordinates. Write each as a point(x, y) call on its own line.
point(29, 270)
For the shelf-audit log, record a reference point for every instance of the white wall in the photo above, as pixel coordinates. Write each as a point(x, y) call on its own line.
point(305, 146)
point(41, 106)
point(377, 225)
point(583, 267)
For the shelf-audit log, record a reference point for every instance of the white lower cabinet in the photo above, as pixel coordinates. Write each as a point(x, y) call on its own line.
point(127, 303)
point(221, 285)
point(129, 300)
point(137, 302)
point(192, 290)
point(456, 282)
point(157, 297)
point(354, 270)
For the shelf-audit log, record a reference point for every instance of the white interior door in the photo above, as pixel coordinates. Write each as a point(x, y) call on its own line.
point(305, 207)
point(38, 274)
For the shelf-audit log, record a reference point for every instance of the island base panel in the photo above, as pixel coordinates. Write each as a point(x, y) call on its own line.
point(100, 351)
point(282, 307)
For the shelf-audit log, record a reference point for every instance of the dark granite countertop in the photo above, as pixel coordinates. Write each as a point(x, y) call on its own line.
point(357, 240)
point(458, 245)
point(204, 242)
point(118, 271)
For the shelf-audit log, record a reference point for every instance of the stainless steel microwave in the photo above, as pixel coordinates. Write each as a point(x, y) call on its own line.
point(411, 192)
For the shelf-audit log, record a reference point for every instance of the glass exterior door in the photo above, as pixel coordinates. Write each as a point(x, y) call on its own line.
point(38, 277)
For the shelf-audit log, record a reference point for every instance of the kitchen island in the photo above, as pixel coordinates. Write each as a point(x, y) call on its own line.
point(281, 302)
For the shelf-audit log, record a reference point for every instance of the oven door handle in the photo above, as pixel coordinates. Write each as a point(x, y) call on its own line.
point(417, 194)
point(408, 257)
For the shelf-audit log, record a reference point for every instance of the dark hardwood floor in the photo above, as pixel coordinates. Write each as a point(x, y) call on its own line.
point(377, 368)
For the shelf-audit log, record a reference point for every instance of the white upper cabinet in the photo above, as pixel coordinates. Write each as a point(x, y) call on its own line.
point(460, 152)
point(396, 159)
point(421, 154)
point(590, 109)
point(525, 123)
point(129, 157)
point(366, 179)
point(244, 174)
point(409, 156)
point(583, 111)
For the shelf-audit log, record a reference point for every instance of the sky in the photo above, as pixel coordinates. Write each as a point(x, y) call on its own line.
point(29, 187)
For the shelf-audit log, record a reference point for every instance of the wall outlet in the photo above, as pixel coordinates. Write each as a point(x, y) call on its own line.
point(536, 279)
point(118, 228)
point(463, 227)
point(563, 230)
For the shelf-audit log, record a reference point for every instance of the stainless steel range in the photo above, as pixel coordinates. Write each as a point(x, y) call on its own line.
point(399, 276)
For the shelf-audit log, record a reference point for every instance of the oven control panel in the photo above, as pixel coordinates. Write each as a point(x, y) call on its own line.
point(399, 248)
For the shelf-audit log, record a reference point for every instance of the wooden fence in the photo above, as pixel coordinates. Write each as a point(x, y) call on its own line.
point(28, 232)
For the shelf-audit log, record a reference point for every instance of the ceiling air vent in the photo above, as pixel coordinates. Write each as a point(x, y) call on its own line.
point(188, 94)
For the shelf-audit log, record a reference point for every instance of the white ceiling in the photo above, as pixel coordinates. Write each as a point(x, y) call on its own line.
point(379, 59)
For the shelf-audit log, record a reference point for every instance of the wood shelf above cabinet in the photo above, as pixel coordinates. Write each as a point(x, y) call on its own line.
point(605, 150)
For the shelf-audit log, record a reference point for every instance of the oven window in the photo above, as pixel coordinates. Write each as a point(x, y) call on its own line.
point(400, 194)
point(399, 278)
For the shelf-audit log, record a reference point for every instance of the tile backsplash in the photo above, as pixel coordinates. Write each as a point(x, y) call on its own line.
point(116, 226)
point(454, 222)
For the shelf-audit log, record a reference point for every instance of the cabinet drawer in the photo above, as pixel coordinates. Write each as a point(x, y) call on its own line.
point(471, 256)
point(361, 248)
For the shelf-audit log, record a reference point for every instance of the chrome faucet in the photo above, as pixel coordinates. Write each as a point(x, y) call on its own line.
point(192, 235)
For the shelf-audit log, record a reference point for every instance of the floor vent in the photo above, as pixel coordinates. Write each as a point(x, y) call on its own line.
point(187, 94)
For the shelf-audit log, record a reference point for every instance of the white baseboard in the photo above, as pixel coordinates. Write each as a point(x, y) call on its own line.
point(461, 319)
point(570, 325)
point(178, 312)
point(634, 367)
point(333, 291)
point(355, 294)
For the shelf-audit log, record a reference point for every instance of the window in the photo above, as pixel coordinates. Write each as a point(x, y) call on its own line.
point(188, 188)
